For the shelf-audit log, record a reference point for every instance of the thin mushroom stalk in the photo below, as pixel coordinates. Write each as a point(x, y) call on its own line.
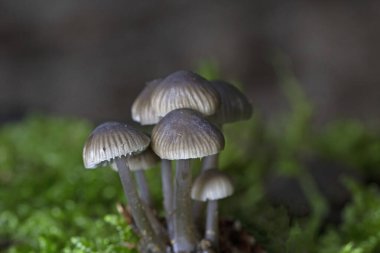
point(167, 188)
point(143, 187)
point(212, 223)
point(184, 232)
point(137, 208)
point(139, 163)
point(158, 228)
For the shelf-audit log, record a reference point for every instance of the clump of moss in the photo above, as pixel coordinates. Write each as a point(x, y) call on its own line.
point(48, 202)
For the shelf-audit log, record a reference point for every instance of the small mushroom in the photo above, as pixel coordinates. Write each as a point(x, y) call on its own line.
point(212, 185)
point(181, 135)
point(115, 142)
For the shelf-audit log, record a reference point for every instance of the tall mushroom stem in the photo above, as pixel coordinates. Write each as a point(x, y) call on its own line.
point(143, 187)
point(184, 232)
point(212, 225)
point(167, 188)
point(137, 208)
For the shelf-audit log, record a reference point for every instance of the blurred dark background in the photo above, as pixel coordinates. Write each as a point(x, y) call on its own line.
point(91, 58)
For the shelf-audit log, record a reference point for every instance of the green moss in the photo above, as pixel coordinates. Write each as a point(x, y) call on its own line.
point(360, 230)
point(49, 202)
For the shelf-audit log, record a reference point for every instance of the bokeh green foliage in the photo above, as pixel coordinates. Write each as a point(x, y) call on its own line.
point(49, 203)
point(360, 231)
point(352, 143)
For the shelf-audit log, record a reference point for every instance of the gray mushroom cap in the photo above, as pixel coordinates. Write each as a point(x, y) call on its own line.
point(142, 110)
point(185, 89)
point(234, 105)
point(212, 184)
point(110, 140)
point(186, 134)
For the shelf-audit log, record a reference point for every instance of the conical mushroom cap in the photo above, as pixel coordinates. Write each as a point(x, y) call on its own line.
point(110, 140)
point(143, 161)
point(185, 134)
point(234, 105)
point(142, 110)
point(212, 184)
point(184, 89)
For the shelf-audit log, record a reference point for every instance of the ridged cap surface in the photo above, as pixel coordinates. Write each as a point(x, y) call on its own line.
point(142, 110)
point(212, 184)
point(185, 134)
point(110, 140)
point(234, 105)
point(143, 161)
point(185, 89)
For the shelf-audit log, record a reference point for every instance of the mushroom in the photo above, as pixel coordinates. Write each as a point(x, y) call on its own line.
point(184, 89)
point(115, 142)
point(181, 135)
point(212, 185)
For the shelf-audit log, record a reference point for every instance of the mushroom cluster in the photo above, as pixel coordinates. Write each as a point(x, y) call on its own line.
point(188, 113)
